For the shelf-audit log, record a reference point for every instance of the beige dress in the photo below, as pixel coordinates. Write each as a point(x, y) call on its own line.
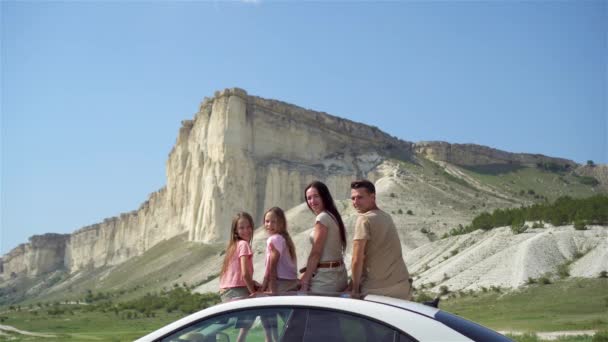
point(334, 279)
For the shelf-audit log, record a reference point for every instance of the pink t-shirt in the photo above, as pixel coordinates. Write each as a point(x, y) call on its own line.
point(233, 277)
point(286, 268)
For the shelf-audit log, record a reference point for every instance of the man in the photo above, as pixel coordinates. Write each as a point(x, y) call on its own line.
point(377, 265)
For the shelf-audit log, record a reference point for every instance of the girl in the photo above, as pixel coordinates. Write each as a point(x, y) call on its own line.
point(325, 271)
point(280, 274)
point(237, 272)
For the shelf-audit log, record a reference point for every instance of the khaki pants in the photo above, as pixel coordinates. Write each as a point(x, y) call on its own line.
point(400, 290)
point(329, 280)
point(284, 285)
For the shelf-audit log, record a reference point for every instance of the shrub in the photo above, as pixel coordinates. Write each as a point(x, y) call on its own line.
point(518, 227)
point(424, 231)
point(603, 274)
point(539, 224)
point(586, 180)
point(400, 211)
point(544, 280)
point(563, 271)
point(580, 225)
point(422, 297)
point(409, 212)
point(443, 290)
point(531, 281)
point(600, 336)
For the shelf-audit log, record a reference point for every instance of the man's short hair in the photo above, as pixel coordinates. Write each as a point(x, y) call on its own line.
point(363, 183)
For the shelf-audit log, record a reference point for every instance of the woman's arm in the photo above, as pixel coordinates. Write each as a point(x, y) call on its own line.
point(319, 236)
point(246, 274)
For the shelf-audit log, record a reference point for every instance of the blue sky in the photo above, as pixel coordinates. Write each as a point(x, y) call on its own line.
point(93, 93)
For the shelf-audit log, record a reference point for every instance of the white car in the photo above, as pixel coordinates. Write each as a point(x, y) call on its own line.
point(305, 318)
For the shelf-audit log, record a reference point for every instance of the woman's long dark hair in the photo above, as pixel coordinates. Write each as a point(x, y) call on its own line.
point(329, 206)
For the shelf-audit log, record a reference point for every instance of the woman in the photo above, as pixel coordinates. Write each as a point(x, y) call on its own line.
point(325, 271)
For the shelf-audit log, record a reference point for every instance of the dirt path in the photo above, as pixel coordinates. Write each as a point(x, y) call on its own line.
point(554, 335)
point(8, 328)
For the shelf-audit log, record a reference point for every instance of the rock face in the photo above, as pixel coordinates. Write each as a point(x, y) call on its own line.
point(239, 153)
point(599, 172)
point(476, 155)
point(44, 253)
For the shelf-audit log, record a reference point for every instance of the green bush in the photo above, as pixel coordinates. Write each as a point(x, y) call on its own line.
point(544, 280)
point(539, 224)
point(565, 210)
point(603, 274)
point(600, 336)
point(422, 297)
point(580, 225)
point(589, 181)
point(409, 212)
point(518, 227)
point(563, 271)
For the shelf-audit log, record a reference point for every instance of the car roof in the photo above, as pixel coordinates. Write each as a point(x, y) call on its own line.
point(343, 302)
point(404, 304)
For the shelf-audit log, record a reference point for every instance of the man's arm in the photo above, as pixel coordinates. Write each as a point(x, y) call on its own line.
point(356, 266)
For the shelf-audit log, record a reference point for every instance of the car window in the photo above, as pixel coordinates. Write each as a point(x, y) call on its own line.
point(251, 325)
point(469, 329)
point(326, 325)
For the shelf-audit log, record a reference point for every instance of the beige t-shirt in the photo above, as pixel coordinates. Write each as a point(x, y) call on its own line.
point(383, 265)
point(332, 251)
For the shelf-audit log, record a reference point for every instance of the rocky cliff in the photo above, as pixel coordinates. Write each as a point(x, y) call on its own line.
point(240, 152)
point(43, 253)
point(476, 155)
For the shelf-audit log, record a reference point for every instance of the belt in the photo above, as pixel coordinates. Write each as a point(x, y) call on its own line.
point(330, 264)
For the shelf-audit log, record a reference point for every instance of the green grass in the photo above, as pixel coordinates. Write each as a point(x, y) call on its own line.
point(574, 304)
point(161, 266)
point(549, 184)
point(84, 326)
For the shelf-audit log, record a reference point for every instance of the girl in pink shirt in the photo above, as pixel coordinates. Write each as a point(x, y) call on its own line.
point(280, 274)
point(236, 279)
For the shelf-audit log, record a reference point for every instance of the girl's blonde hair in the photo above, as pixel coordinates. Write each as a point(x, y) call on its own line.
point(278, 212)
point(234, 238)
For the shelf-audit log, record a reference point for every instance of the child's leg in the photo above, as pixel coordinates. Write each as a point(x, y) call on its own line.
point(270, 327)
point(242, 335)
